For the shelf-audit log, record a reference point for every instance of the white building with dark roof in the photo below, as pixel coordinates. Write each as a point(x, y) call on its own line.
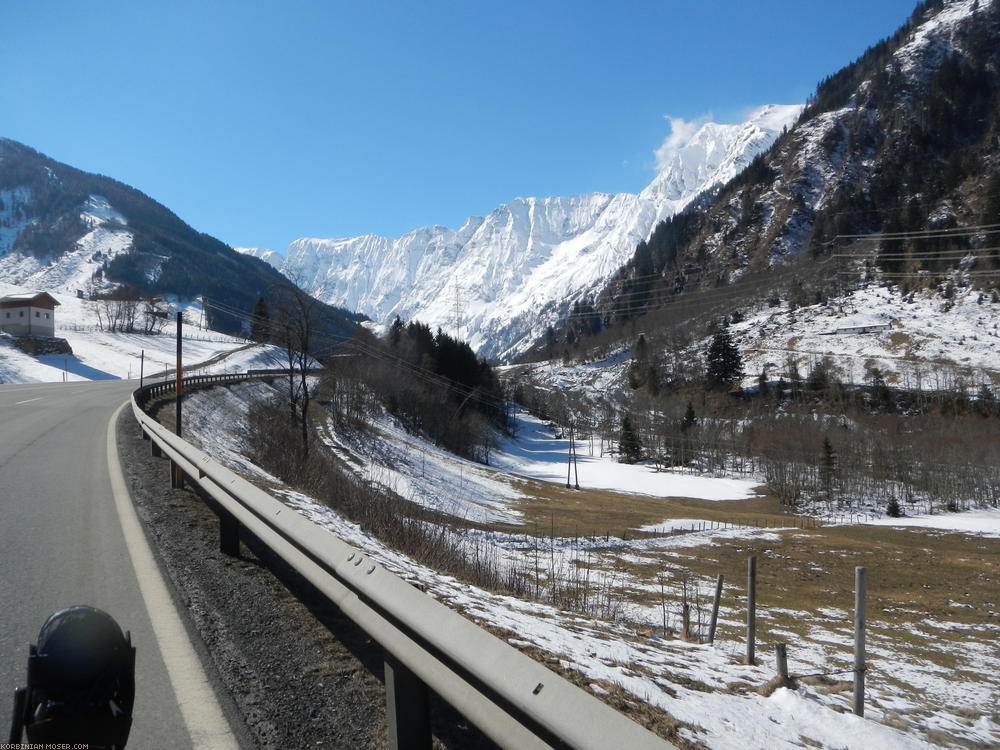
point(28, 314)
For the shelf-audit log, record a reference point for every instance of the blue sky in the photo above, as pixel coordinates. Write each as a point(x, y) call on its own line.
point(262, 122)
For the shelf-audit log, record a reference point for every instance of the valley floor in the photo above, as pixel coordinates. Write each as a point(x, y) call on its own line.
point(932, 608)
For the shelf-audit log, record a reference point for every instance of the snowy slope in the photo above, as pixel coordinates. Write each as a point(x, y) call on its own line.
point(930, 343)
point(102, 355)
point(107, 236)
point(705, 686)
point(499, 281)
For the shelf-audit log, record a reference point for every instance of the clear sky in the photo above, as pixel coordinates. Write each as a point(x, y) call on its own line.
point(260, 122)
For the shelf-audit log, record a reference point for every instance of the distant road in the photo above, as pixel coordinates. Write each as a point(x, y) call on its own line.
point(62, 543)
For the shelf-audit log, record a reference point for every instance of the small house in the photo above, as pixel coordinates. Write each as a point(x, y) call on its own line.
point(28, 314)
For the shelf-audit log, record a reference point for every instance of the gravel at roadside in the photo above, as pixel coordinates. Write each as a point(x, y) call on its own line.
point(297, 672)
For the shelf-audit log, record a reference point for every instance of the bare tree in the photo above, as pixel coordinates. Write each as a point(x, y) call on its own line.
point(155, 313)
point(292, 327)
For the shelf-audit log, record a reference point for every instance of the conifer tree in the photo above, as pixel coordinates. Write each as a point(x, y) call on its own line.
point(629, 444)
point(723, 365)
point(689, 419)
point(828, 468)
point(260, 322)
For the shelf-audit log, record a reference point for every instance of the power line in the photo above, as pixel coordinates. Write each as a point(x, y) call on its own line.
point(924, 233)
point(920, 274)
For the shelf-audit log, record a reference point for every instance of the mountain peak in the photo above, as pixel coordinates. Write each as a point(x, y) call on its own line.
point(501, 279)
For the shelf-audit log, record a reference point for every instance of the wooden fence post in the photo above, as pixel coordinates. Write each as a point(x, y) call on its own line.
point(860, 586)
point(715, 609)
point(781, 656)
point(751, 610)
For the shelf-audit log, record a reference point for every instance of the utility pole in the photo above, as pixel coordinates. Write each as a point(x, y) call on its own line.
point(569, 457)
point(572, 442)
point(142, 366)
point(177, 476)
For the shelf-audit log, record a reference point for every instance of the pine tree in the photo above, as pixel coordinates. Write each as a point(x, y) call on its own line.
point(396, 331)
point(723, 365)
point(689, 420)
point(762, 384)
point(828, 468)
point(629, 446)
point(260, 322)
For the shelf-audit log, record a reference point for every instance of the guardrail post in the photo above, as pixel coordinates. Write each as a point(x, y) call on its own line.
point(176, 476)
point(406, 708)
point(229, 534)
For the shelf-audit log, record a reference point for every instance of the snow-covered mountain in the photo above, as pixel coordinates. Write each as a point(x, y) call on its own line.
point(904, 139)
point(104, 235)
point(65, 230)
point(499, 281)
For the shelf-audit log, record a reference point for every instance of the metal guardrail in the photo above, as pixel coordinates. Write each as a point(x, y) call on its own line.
point(511, 698)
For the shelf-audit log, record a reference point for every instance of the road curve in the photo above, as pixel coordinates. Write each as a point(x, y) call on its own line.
point(62, 543)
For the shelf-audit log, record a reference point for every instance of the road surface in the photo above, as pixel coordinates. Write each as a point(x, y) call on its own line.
point(63, 542)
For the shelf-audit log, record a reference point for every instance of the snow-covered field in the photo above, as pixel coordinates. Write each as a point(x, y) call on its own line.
point(985, 522)
point(537, 453)
point(703, 686)
point(101, 355)
point(429, 476)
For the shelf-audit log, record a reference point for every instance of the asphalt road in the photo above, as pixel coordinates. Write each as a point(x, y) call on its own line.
point(62, 543)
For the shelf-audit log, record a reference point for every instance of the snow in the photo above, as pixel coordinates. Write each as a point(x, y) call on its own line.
point(985, 522)
point(425, 474)
point(696, 684)
point(499, 281)
point(536, 453)
point(931, 343)
point(430, 476)
point(101, 355)
point(107, 237)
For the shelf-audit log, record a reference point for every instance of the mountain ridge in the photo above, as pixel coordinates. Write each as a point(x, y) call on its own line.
point(81, 233)
point(501, 280)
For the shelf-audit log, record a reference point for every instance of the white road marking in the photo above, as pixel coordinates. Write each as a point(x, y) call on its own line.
point(18, 403)
point(200, 710)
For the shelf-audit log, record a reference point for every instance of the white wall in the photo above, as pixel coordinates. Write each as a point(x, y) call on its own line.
point(28, 321)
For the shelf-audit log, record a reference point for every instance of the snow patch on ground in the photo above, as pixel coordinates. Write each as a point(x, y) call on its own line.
point(537, 453)
point(984, 522)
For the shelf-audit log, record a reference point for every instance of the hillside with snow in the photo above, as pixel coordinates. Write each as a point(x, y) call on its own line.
point(500, 280)
point(105, 355)
point(899, 143)
point(65, 230)
point(920, 341)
